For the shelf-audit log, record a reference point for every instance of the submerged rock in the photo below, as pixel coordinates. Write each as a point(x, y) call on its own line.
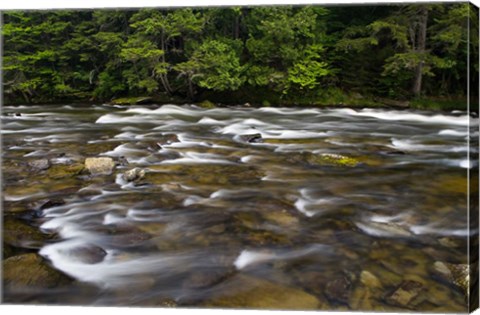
point(458, 274)
point(369, 280)
point(452, 242)
point(134, 174)
point(338, 290)
point(252, 138)
point(252, 293)
point(206, 278)
point(39, 165)
point(99, 165)
point(30, 270)
point(405, 294)
point(88, 254)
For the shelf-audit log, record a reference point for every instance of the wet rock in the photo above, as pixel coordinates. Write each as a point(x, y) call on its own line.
point(88, 254)
point(369, 280)
point(312, 281)
point(166, 139)
point(394, 152)
point(152, 228)
point(122, 161)
point(206, 104)
point(405, 294)
point(134, 174)
point(249, 292)
point(362, 299)
point(7, 251)
point(452, 242)
point(206, 278)
point(216, 229)
point(39, 165)
point(204, 174)
point(15, 114)
point(252, 138)
point(132, 100)
point(166, 302)
point(384, 229)
point(46, 203)
point(18, 234)
point(28, 271)
point(99, 165)
point(338, 290)
point(458, 274)
point(128, 237)
point(282, 218)
point(96, 148)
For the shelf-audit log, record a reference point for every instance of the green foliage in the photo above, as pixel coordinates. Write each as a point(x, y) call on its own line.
point(214, 65)
point(280, 54)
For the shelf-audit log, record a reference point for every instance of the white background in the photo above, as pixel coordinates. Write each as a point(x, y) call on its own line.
point(46, 4)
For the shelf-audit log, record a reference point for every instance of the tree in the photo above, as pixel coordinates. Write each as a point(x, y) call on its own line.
point(285, 46)
point(214, 65)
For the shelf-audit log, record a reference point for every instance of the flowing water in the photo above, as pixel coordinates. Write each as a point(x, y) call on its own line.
point(219, 221)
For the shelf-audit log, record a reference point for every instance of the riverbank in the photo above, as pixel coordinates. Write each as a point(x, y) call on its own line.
point(433, 104)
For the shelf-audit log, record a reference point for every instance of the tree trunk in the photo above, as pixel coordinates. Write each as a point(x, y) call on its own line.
point(191, 92)
point(420, 48)
point(163, 77)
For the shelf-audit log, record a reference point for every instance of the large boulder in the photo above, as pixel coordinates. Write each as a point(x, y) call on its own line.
point(31, 270)
point(99, 165)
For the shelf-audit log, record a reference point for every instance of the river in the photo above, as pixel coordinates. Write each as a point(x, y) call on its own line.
point(218, 221)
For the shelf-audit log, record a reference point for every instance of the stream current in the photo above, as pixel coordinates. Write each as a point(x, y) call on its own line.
point(216, 216)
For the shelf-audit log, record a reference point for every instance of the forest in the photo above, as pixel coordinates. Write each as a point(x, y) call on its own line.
point(267, 55)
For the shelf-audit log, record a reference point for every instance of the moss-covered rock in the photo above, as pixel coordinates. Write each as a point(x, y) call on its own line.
point(331, 159)
point(61, 171)
point(206, 104)
point(136, 100)
point(252, 293)
point(29, 271)
point(18, 234)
